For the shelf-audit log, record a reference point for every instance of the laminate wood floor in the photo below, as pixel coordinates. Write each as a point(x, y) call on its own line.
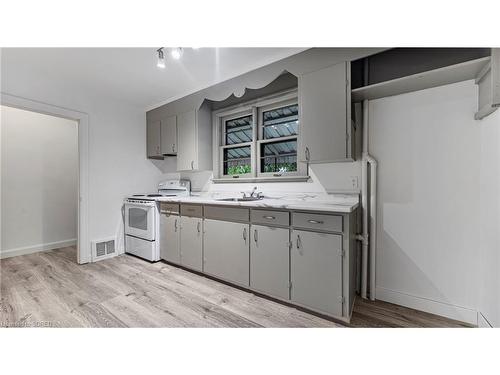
point(49, 289)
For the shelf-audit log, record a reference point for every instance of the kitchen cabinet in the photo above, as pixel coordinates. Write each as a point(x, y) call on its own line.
point(169, 136)
point(226, 251)
point(316, 271)
point(191, 242)
point(269, 260)
point(194, 136)
point(169, 238)
point(325, 115)
point(153, 139)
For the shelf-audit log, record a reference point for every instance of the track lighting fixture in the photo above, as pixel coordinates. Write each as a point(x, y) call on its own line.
point(176, 53)
point(161, 58)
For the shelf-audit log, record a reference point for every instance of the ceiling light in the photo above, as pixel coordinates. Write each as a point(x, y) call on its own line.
point(161, 58)
point(176, 53)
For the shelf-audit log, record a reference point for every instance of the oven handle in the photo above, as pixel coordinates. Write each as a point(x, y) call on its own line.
point(152, 204)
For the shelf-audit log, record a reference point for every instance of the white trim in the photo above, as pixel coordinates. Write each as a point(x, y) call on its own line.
point(83, 245)
point(482, 322)
point(37, 248)
point(446, 310)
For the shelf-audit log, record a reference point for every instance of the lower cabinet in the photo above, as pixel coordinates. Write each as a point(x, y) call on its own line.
point(269, 261)
point(316, 271)
point(191, 242)
point(226, 251)
point(169, 238)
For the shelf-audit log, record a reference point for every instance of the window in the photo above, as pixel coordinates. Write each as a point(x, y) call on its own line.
point(259, 139)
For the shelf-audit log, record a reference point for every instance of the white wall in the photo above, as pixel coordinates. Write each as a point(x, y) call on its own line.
point(431, 210)
point(39, 177)
point(489, 268)
point(117, 145)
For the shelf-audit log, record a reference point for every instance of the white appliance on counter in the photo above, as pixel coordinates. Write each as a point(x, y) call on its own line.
point(142, 219)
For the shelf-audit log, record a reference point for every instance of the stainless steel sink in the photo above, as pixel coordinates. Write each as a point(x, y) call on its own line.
point(246, 199)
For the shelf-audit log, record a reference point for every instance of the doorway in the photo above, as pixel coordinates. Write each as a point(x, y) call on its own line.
point(10, 104)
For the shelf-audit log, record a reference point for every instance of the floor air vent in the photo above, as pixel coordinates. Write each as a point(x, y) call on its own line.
point(103, 249)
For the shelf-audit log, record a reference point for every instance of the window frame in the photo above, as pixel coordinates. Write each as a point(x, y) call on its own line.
point(255, 107)
point(260, 139)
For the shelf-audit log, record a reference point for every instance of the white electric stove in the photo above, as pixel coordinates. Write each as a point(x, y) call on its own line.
point(142, 219)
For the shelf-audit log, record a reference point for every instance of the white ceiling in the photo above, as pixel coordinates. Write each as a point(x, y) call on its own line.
point(130, 74)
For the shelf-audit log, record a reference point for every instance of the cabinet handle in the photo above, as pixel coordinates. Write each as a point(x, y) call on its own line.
point(299, 242)
point(308, 154)
point(192, 164)
point(175, 225)
point(315, 221)
point(245, 234)
point(270, 217)
point(255, 235)
point(198, 227)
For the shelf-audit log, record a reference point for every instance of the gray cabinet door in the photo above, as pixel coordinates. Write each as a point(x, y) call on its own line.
point(324, 109)
point(169, 136)
point(169, 238)
point(192, 242)
point(187, 152)
point(226, 251)
point(316, 271)
point(153, 139)
point(270, 260)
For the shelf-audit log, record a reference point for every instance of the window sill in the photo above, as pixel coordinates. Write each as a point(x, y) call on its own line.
point(228, 180)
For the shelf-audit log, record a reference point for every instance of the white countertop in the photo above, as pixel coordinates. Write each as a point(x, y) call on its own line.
point(340, 203)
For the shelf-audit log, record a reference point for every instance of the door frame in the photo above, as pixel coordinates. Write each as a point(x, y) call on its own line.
point(82, 119)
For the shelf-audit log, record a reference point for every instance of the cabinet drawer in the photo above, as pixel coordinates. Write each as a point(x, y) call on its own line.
point(227, 213)
point(332, 223)
point(169, 208)
point(270, 217)
point(193, 210)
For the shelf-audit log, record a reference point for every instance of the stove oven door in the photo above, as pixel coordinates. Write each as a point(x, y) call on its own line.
point(140, 220)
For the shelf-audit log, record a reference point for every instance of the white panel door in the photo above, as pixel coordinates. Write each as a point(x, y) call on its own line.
point(226, 251)
point(192, 242)
point(270, 260)
point(316, 271)
point(169, 238)
point(187, 153)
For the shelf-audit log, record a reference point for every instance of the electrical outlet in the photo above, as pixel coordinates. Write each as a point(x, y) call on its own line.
point(354, 182)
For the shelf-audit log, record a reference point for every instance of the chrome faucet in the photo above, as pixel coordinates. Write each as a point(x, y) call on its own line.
point(252, 194)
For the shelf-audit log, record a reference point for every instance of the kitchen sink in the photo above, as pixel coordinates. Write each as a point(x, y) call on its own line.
point(245, 199)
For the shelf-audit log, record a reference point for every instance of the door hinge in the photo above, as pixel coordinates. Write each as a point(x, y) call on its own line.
point(342, 253)
point(289, 244)
point(342, 300)
point(290, 285)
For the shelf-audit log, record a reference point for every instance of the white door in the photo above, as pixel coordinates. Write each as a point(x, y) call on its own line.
point(226, 251)
point(316, 271)
point(270, 260)
point(187, 158)
point(140, 220)
point(169, 238)
point(191, 243)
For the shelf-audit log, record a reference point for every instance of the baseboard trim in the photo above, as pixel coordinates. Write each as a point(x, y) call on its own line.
point(37, 248)
point(482, 322)
point(446, 310)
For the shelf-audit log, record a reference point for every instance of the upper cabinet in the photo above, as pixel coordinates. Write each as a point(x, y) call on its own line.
point(194, 135)
point(325, 115)
point(161, 137)
point(169, 136)
point(153, 136)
